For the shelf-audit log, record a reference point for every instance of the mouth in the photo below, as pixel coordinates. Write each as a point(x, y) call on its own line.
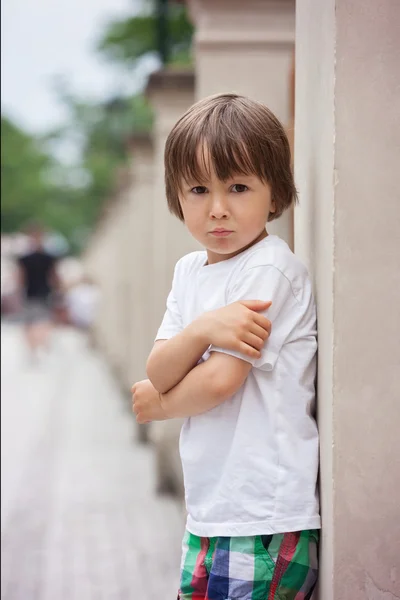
point(221, 232)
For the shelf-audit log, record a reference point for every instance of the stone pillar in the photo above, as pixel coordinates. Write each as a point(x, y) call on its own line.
point(113, 324)
point(139, 258)
point(247, 47)
point(105, 261)
point(171, 92)
point(347, 157)
point(97, 259)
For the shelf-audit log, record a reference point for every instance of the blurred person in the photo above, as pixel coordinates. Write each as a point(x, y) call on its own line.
point(81, 301)
point(39, 285)
point(249, 442)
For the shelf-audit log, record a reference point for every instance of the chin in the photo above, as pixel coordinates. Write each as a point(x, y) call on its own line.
point(224, 247)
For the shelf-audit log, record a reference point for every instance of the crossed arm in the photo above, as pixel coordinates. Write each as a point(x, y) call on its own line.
point(178, 386)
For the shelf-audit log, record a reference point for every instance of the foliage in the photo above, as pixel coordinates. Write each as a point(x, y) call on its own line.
point(34, 185)
point(102, 131)
point(127, 41)
point(24, 187)
point(28, 189)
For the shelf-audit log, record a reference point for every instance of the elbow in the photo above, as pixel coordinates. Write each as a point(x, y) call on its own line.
point(220, 387)
point(225, 378)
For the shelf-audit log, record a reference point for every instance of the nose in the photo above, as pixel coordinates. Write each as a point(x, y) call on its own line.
point(219, 208)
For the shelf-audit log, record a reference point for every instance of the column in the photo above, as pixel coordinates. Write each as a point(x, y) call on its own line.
point(347, 229)
point(139, 258)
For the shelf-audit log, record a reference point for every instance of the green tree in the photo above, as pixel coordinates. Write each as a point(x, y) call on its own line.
point(25, 167)
point(101, 130)
point(30, 188)
point(128, 40)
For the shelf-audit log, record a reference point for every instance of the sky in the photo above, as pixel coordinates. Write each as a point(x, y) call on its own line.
point(42, 39)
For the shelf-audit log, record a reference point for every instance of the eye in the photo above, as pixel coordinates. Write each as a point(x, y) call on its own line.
point(199, 189)
point(239, 188)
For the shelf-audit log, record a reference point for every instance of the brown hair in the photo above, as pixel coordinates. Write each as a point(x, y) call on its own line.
point(241, 136)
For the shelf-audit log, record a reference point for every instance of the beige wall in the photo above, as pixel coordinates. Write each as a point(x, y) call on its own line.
point(105, 262)
point(247, 48)
point(111, 321)
point(138, 259)
point(347, 155)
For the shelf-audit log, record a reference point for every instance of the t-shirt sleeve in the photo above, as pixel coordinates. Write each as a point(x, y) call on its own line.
point(266, 282)
point(171, 324)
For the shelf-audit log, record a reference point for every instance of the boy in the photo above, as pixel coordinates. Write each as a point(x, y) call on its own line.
point(249, 443)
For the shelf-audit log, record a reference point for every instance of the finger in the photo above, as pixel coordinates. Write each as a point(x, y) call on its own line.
point(262, 322)
point(260, 332)
point(249, 350)
point(256, 305)
point(253, 340)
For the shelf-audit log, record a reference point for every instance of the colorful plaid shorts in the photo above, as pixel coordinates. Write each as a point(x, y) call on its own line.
point(263, 567)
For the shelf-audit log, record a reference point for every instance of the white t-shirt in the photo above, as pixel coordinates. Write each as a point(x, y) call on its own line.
point(250, 465)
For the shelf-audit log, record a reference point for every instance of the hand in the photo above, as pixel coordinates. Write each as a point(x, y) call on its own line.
point(238, 326)
point(146, 402)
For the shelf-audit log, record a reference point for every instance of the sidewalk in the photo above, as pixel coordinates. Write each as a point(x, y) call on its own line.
point(80, 520)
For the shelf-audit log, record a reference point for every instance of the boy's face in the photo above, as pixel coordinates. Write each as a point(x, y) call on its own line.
point(226, 216)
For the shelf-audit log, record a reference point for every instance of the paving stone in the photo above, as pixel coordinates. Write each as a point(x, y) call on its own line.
point(80, 520)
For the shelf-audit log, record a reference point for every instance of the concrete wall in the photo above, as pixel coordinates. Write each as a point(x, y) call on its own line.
point(347, 152)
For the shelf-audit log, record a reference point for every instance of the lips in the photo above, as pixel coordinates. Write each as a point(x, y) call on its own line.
point(221, 232)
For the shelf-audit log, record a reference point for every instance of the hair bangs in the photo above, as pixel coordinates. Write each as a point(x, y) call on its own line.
point(196, 165)
point(220, 154)
point(229, 156)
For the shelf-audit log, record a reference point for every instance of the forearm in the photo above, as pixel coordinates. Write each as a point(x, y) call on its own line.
point(172, 360)
point(198, 392)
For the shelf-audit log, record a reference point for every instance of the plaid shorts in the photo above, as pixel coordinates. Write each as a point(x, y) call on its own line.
point(263, 567)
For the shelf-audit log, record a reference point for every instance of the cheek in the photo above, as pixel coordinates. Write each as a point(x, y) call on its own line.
point(193, 217)
point(255, 217)
point(192, 211)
